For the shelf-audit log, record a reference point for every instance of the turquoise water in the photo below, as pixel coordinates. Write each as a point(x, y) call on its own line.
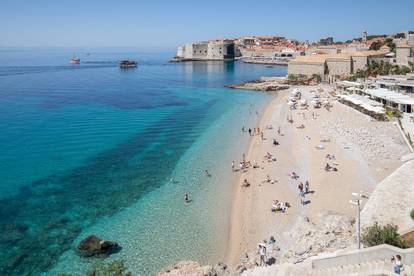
point(92, 149)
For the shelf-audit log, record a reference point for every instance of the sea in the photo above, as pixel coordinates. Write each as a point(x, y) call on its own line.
point(93, 149)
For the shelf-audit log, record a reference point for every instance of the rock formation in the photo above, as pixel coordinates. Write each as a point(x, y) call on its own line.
point(94, 246)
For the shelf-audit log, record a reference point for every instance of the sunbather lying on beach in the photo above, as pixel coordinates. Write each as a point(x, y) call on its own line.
point(301, 126)
point(329, 168)
point(326, 140)
point(269, 180)
point(279, 206)
point(245, 183)
point(293, 175)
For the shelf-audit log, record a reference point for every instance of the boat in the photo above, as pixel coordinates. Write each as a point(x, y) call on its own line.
point(75, 60)
point(125, 64)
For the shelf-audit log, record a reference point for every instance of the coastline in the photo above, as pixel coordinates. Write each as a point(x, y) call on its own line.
point(238, 238)
point(359, 169)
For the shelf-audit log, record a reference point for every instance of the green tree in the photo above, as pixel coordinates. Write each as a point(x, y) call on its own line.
point(375, 46)
point(388, 234)
point(390, 43)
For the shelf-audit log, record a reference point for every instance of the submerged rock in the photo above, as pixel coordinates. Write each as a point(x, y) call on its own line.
point(188, 268)
point(115, 268)
point(94, 246)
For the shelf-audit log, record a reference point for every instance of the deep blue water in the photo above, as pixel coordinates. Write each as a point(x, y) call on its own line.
point(83, 145)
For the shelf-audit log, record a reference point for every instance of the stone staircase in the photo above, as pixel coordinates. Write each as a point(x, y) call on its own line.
point(373, 261)
point(378, 267)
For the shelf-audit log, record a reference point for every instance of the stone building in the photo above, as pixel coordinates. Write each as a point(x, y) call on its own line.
point(405, 49)
point(338, 65)
point(207, 50)
point(308, 65)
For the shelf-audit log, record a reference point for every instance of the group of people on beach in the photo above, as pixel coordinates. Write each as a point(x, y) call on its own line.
point(303, 190)
point(255, 131)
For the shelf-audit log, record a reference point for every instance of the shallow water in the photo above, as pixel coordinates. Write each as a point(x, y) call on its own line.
point(92, 149)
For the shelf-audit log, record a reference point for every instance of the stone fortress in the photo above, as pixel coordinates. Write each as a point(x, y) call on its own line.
point(207, 50)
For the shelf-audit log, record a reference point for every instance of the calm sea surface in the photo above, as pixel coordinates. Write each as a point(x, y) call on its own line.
point(93, 149)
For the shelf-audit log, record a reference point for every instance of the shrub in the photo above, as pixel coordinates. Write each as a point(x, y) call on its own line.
point(412, 214)
point(377, 234)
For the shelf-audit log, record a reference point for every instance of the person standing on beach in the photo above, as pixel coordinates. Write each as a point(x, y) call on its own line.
point(302, 197)
point(398, 266)
point(250, 131)
point(261, 135)
point(300, 187)
point(254, 131)
point(186, 198)
point(262, 253)
point(271, 244)
point(232, 166)
point(306, 187)
point(278, 130)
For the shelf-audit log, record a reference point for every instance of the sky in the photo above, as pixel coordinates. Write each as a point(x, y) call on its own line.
point(169, 23)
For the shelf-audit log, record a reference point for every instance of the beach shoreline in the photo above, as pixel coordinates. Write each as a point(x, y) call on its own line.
point(359, 169)
point(232, 253)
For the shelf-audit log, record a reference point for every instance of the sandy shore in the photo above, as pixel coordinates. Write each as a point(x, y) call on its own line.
point(365, 152)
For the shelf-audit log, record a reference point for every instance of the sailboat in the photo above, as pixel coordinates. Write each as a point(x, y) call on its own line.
point(75, 59)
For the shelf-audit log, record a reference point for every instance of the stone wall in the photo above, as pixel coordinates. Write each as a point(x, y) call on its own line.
point(402, 55)
point(306, 68)
point(359, 63)
point(200, 50)
point(339, 67)
point(392, 200)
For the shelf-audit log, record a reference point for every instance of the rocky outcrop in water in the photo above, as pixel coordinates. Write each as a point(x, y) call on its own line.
point(94, 246)
point(263, 84)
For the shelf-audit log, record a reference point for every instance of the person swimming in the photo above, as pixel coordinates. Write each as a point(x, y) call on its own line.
point(186, 198)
